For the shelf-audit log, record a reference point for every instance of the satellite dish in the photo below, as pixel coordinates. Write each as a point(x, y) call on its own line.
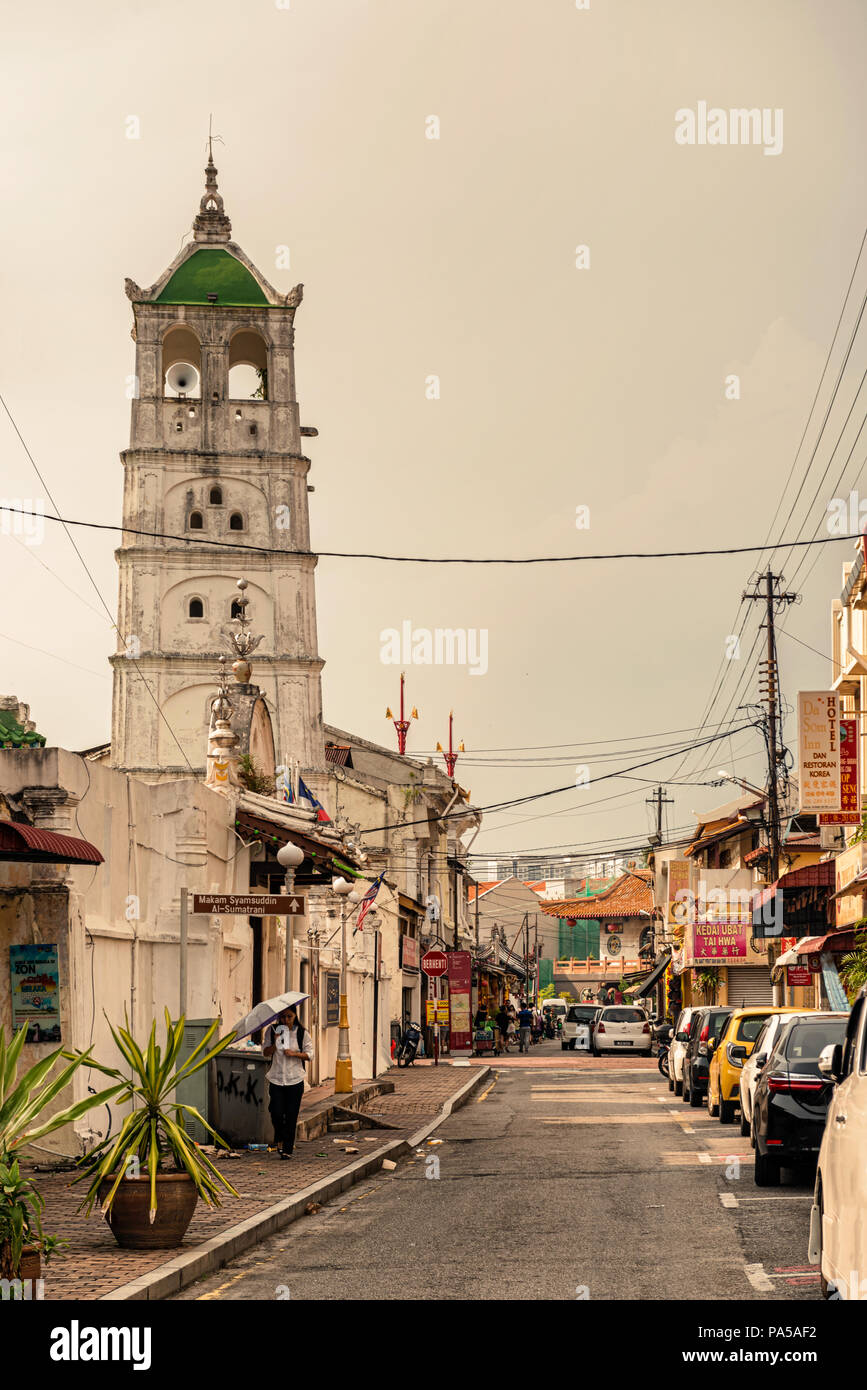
point(183, 377)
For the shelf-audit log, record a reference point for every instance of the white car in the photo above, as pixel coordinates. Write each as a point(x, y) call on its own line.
point(759, 1055)
point(677, 1052)
point(838, 1221)
point(621, 1028)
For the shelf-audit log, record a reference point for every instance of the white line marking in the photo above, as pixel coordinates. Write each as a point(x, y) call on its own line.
point(705, 1158)
point(758, 1278)
point(687, 1129)
point(728, 1199)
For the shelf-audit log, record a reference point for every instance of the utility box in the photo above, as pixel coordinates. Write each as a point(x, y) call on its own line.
point(242, 1097)
point(195, 1090)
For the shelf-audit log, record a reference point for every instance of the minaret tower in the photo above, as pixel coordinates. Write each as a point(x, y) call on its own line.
point(214, 457)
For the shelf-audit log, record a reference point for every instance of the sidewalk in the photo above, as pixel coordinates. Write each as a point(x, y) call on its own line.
point(95, 1266)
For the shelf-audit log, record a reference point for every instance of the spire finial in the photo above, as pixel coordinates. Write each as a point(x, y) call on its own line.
point(211, 224)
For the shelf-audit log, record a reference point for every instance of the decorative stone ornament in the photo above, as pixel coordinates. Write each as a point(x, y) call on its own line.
point(223, 758)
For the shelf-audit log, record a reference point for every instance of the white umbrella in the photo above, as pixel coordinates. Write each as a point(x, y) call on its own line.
point(266, 1012)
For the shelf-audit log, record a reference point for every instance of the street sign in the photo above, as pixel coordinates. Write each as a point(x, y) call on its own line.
point(435, 962)
point(250, 904)
point(437, 1011)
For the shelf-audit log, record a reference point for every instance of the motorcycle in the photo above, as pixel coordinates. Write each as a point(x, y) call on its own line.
point(409, 1045)
point(663, 1034)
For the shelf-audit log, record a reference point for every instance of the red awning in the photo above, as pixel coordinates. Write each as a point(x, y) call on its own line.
point(29, 844)
point(836, 941)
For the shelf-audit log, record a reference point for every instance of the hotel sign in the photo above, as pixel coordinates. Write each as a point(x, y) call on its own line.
point(819, 775)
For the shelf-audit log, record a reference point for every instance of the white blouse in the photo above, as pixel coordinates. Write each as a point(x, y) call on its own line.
point(286, 1071)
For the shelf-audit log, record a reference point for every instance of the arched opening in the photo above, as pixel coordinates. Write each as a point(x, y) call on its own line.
point(216, 497)
point(196, 521)
point(182, 350)
point(237, 610)
point(197, 608)
point(236, 522)
point(248, 367)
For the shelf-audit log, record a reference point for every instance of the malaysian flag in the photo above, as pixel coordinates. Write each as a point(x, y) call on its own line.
point(367, 901)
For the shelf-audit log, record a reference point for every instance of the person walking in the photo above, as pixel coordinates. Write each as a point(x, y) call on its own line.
point(290, 1046)
point(525, 1023)
point(503, 1021)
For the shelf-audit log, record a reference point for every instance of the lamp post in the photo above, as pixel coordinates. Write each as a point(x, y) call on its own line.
point(290, 858)
point(343, 1067)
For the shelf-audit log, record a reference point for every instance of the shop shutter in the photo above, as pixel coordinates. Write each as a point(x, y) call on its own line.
point(749, 985)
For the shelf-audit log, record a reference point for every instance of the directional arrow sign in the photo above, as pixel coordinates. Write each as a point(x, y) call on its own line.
point(249, 904)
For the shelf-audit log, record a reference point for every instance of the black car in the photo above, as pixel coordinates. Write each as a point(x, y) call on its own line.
point(705, 1029)
point(792, 1097)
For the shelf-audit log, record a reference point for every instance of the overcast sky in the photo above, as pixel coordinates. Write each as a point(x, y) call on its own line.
point(560, 387)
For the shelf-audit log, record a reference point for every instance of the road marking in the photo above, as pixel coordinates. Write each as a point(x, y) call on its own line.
point(484, 1093)
point(687, 1129)
point(705, 1158)
point(728, 1199)
point(782, 1197)
point(758, 1278)
point(653, 1118)
point(219, 1289)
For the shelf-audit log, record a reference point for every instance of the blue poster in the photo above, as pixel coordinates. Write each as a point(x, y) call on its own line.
point(35, 991)
point(833, 988)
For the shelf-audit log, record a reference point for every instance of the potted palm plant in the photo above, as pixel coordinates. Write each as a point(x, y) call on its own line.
point(23, 1100)
point(149, 1178)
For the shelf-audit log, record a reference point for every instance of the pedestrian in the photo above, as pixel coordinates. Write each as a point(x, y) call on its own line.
point(481, 1018)
point(525, 1023)
point(503, 1021)
point(290, 1046)
point(618, 997)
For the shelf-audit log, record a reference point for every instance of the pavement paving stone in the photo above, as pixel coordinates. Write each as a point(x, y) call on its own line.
point(94, 1264)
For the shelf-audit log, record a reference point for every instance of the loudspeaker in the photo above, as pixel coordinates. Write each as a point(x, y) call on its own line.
point(183, 378)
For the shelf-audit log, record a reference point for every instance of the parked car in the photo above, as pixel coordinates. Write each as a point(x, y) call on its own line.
point(578, 1016)
point(621, 1028)
point(838, 1225)
point(736, 1042)
point(704, 1031)
point(792, 1096)
point(678, 1050)
point(764, 1046)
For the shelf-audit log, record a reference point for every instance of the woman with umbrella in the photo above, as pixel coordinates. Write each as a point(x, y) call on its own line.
point(290, 1046)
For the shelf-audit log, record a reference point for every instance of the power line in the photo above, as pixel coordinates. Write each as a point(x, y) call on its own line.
point(240, 548)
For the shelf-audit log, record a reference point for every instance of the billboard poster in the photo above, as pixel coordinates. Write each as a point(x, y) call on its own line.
point(720, 917)
point(460, 980)
point(850, 778)
point(819, 750)
point(35, 991)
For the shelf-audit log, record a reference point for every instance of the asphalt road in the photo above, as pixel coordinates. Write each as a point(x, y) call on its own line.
point(560, 1181)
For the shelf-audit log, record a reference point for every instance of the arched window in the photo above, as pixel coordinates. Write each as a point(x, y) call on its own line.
point(197, 608)
point(237, 610)
point(182, 363)
point(248, 367)
point(216, 497)
point(196, 522)
point(236, 522)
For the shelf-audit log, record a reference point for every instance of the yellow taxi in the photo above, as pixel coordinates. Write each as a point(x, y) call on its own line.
point(734, 1046)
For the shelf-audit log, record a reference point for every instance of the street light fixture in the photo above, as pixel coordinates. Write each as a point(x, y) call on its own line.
point(290, 858)
point(343, 1067)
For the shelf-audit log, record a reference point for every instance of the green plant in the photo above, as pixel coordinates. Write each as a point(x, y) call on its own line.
point(261, 392)
point(253, 779)
point(853, 967)
point(152, 1137)
point(707, 983)
point(22, 1101)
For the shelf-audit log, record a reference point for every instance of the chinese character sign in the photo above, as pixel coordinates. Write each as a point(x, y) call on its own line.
point(850, 778)
point(819, 750)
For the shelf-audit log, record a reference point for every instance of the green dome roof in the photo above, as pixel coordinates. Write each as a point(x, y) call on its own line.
point(212, 271)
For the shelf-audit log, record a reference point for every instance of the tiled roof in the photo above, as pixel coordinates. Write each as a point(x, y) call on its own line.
point(628, 896)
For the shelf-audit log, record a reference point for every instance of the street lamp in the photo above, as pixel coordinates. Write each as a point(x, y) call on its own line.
point(343, 1067)
point(290, 858)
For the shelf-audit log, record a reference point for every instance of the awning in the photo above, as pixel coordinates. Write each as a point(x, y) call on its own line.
point(835, 941)
point(29, 844)
point(652, 978)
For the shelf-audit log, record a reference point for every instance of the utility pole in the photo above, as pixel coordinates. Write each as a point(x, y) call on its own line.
point(658, 800)
point(765, 591)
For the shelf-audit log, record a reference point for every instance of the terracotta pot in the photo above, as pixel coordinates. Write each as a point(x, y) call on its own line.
point(30, 1265)
point(128, 1218)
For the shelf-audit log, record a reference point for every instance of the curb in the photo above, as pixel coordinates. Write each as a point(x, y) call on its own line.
point(185, 1269)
